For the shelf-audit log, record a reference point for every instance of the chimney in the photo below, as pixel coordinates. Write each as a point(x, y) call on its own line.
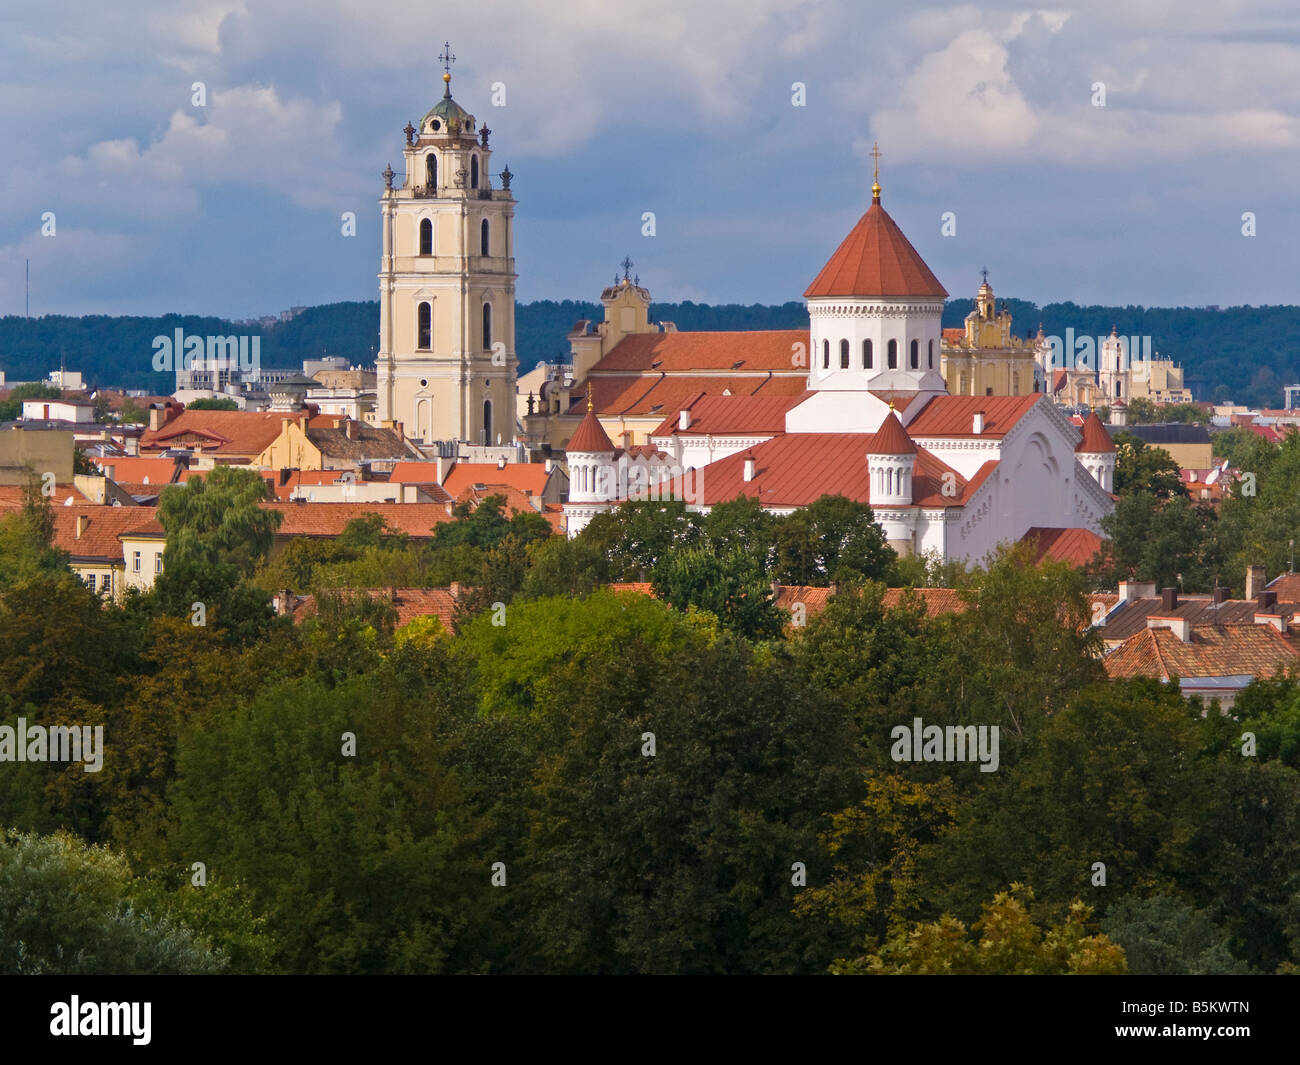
point(1267, 599)
point(455, 591)
point(283, 605)
point(683, 419)
point(157, 417)
point(501, 463)
point(547, 465)
point(1168, 598)
point(83, 523)
point(977, 423)
point(350, 428)
point(750, 468)
point(284, 476)
point(1180, 627)
point(1255, 580)
point(1219, 594)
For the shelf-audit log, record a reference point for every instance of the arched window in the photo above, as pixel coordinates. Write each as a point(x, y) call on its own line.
point(431, 172)
point(826, 354)
point(487, 325)
point(483, 237)
point(868, 356)
point(844, 354)
point(893, 354)
point(473, 171)
point(932, 354)
point(426, 237)
point(914, 356)
point(425, 322)
point(487, 421)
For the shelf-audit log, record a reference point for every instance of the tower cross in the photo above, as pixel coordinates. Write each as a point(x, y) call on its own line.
point(985, 274)
point(627, 265)
point(875, 155)
point(446, 59)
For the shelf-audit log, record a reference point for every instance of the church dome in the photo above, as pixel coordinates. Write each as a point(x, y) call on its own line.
point(447, 116)
point(875, 260)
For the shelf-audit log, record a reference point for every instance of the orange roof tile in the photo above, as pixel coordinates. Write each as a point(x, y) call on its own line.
point(529, 477)
point(714, 414)
point(891, 438)
point(756, 351)
point(875, 259)
point(151, 471)
point(954, 336)
point(101, 529)
point(414, 473)
point(225, 432)
point(652, 394)
point(955, 415)
point(1076, 546)
point(936, 600)
point(1095, 438)
point(1212, 651)
point(410, 603)
point(330, 519)
point(590, 436)
point(11, 496)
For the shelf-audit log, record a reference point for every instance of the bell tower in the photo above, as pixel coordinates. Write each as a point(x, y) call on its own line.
point(446, 365)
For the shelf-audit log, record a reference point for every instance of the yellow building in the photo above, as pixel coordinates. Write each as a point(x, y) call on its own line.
point(983, 358)
point(446, 362)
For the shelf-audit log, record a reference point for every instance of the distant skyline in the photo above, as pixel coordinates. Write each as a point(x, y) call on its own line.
point(685, 110)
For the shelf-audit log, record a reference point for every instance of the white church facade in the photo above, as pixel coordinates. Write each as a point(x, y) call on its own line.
point(950, 475)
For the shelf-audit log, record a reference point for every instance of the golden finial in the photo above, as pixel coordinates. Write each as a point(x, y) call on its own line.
point(589, 407)
point(891, 404)
point(875, 173)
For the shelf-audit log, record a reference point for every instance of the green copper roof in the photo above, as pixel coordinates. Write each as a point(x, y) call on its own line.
point(447, 110)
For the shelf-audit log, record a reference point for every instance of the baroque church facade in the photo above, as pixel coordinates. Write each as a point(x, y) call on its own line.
point(446, 365)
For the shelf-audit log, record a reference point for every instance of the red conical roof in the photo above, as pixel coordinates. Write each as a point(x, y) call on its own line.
point(1095, 438)
point(590, 436)
point(891, 438)
point(875, 259)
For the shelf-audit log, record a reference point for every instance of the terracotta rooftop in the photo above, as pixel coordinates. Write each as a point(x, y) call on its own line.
point(891, 438)
point(1076, 546)
point(11, 496)
point(796, 469)
point(330, 519)
point(662, 395)
point(1095, 438)
point(756, 351)
point(368, 443)
point(955, 415)
point(937, 600)
point(714, 414)
point(223, 432)
point(954, 336)
point(101, 529)
point(516, 502)
point(133, 470)
point(590, 436)
point(414, 473)
point(1212, 651)
point(528, 477)
point(1130, 618)
point(875, 259)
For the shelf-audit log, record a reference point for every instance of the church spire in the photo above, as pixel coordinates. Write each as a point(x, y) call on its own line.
point(447, 58)
point(875, 173)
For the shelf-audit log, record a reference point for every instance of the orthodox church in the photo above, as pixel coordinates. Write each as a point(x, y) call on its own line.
point(856, 406)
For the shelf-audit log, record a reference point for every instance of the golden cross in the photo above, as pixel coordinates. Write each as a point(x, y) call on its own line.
point(875, 154)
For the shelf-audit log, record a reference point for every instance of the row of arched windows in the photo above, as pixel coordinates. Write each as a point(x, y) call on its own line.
point(431, 172)
point(424, 326)
point(426, 237)
point(869, 359)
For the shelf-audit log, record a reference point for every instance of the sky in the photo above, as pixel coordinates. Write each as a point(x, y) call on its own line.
point(1101, 153)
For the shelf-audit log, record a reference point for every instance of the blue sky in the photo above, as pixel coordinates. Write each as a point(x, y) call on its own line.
point(683, 108)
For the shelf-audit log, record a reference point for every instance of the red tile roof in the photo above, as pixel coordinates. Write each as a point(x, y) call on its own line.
point(528, 477)
point(936, 600)
point(99, 540)
point(590, 436)
point(414, 473)
point(797, 469)
point(652, 394)
point(954, 415)
point(1076, 546)
point(1212, 651)
point(954, 336)
point(755, 351)
point(891, 438)
point(11, 496)
point(151, 471)
point(1095, 438)
point(875, 259)
point(224, 432)
point(330, 519)
point(516, 502)
point(712, 414)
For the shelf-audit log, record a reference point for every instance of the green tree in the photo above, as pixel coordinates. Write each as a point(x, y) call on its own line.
point(636, 536)
point(831, 539)
point(1165, 936)
point(1139, 467)
point(66, 908)
point(212, 403)
point(730, 586)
